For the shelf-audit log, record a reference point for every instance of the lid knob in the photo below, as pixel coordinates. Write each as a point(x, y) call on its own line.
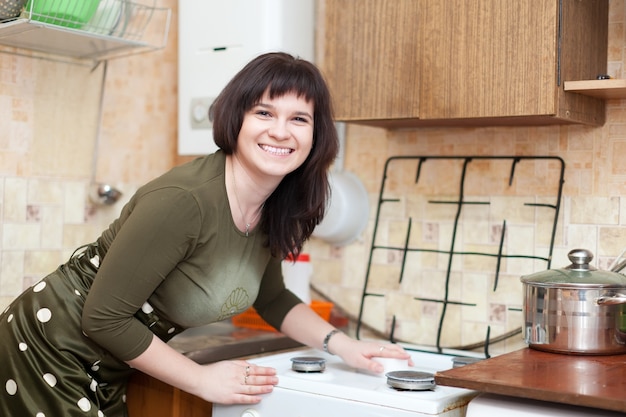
point(580, 259)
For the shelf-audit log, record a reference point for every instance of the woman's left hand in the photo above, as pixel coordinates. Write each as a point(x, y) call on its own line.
point(359, 354)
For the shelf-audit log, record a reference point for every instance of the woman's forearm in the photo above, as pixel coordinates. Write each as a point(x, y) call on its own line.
point(166, 364)
point(305, 326)
point(225, 382)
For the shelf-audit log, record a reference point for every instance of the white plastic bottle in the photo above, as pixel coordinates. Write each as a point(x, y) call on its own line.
point(297, 276)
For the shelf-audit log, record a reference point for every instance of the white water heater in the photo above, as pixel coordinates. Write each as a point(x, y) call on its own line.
point(216, 39)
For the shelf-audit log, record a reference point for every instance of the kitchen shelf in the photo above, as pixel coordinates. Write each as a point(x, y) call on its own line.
point(135, 28)
point(605, 89)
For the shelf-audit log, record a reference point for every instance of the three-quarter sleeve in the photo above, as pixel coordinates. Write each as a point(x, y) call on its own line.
point(159, 230)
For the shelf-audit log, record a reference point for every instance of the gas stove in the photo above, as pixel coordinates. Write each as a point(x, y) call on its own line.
point(340, 389)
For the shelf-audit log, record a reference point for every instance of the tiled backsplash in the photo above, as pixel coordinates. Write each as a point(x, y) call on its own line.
point(49, 131)
point(593, 211)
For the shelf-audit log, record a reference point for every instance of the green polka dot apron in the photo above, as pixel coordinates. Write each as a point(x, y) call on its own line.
point(48, 367)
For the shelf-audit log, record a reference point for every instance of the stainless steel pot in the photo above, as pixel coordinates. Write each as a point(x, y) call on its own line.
point(576, 310)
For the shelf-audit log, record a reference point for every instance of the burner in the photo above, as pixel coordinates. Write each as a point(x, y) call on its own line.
point(410, 380)
point(308, 364)
point(459, 361)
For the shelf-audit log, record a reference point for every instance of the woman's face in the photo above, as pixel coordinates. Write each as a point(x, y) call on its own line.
point(276, 135)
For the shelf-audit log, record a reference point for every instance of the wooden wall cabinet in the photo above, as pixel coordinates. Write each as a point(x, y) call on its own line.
point(370, 57)
point(409, 63)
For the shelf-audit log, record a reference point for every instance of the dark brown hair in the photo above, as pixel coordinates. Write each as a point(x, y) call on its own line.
point(298, 204)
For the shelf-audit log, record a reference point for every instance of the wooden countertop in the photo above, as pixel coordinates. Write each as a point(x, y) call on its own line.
point(222, 341)
point(590, 381)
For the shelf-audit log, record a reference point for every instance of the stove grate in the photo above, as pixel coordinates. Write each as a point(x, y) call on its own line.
point(448, 196)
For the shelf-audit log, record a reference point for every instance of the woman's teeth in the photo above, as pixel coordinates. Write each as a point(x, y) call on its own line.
point(277, 151)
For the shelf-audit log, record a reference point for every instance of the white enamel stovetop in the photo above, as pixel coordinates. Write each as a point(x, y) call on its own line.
point(342, 390)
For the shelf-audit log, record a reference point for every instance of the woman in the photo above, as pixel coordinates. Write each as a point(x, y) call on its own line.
point(199, 244)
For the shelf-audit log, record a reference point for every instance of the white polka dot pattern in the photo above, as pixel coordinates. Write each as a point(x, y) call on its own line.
point(50, 379)
point(44, 315)
point(84, 404)
point(11, 8)
point(11, 387)
point(47, 317)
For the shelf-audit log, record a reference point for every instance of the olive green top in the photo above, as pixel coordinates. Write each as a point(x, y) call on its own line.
point(176, 253)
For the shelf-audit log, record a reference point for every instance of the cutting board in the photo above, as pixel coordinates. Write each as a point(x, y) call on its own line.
point(590, 381)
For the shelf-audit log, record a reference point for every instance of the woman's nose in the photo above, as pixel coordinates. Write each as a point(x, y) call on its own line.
point(279, 130)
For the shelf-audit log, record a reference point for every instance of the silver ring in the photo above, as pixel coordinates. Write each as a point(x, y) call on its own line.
point(381, 349)
point(247, 370)
point(245, 380)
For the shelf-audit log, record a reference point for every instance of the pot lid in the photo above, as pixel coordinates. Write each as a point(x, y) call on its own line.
point(579, 274)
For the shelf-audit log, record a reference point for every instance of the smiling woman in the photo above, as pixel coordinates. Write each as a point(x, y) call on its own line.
point(199, 244)
point(290, 101)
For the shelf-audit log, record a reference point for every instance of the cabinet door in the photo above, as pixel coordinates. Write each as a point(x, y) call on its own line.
point(148, 397)
point(488, 58)
point(370, 58)
point(584, 40)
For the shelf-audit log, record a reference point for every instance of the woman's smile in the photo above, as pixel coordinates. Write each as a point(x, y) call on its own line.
point(276, 151)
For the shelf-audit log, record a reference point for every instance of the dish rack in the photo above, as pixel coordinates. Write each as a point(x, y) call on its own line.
point(92, 30)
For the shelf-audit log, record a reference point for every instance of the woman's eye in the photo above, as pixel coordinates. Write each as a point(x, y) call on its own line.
point(262, 113)
point(301, 119)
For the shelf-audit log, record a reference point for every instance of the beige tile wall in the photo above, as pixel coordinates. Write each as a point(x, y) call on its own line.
point(56, 140)
point(50, 129)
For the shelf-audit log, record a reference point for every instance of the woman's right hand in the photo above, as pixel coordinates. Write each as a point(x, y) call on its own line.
point(226, 382)
point(235, 382)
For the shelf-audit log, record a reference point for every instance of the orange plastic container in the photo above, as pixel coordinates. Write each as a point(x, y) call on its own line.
point(251, 319)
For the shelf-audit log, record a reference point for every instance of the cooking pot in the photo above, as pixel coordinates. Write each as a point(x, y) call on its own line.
point(575, 310)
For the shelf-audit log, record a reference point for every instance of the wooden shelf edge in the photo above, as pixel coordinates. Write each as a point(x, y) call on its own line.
point(605, 89)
